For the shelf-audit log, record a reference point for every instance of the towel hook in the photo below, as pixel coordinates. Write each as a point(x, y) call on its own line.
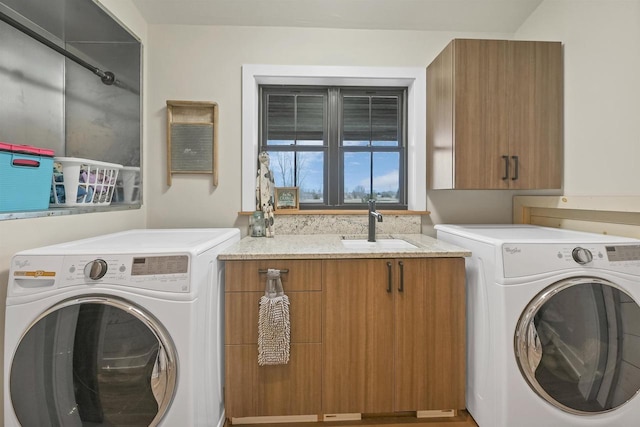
point(264, 271)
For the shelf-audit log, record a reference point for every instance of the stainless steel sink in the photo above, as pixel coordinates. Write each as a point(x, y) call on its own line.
point(378, 244)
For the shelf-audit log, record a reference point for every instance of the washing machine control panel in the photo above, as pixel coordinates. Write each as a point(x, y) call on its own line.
point(170, 272)
point(527, 259)
point(32, 274)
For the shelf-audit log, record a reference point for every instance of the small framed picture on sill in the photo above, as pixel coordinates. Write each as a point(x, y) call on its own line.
point(287, 198)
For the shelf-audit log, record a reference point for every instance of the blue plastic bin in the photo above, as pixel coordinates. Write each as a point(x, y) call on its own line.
point(25, 177)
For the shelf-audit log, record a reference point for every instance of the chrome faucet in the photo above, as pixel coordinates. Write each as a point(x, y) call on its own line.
point(373, 215)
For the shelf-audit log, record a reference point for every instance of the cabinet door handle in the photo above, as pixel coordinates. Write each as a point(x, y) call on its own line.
point(506, 167)
point(401, 288)
point(390, 277)
point(264, 271)
point(516, 162)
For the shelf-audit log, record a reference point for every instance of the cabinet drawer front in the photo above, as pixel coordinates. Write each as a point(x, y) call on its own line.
point(291, 389)
point(241, 317)
point(301, 275)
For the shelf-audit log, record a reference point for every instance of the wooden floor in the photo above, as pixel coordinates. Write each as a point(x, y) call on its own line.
point(462, 420)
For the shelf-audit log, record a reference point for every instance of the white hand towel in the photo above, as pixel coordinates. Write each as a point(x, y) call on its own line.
point(274, 329)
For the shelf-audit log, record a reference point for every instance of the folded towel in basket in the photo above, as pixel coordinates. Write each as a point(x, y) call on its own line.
point(274, 329)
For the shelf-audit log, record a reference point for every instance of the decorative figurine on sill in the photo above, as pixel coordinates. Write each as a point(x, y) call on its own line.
point(268, 221)
point(265, 188)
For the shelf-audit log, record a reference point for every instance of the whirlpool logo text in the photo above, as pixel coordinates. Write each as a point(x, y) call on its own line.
point(512, 250)
point(23, 263)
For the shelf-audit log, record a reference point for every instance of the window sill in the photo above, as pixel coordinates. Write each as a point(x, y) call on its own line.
point(340, 212)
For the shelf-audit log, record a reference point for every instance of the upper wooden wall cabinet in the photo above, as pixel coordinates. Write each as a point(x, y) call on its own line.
point(494, 115)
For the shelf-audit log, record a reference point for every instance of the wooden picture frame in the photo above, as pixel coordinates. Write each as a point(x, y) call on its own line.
point(192, 138)
point(287, 198)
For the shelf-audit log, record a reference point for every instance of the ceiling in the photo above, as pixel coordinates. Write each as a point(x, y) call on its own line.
point(501, 16)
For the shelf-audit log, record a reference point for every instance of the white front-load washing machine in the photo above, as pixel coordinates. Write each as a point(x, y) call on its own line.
point(124, 329)
point(553, 326)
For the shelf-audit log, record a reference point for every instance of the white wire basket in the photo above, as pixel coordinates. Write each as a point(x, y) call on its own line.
point(82, 182)
point(128, 185)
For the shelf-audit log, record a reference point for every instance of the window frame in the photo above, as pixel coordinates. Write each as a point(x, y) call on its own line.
point(332, 146)
point(288, 90)
point(414, 78)
point(401, 148)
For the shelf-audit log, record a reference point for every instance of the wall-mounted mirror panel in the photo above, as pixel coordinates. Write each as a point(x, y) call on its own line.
point(55, 101)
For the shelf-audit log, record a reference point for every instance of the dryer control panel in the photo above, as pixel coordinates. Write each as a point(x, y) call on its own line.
point(526, 259)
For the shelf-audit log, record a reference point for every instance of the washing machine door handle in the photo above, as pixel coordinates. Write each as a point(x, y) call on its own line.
point(534, 347)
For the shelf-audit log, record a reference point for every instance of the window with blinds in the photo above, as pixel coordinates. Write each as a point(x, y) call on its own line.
point(340, 146)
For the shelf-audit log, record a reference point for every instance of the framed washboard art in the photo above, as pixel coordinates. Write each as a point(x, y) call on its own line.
point(192, 138)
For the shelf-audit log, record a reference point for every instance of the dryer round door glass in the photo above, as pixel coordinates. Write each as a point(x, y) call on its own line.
point(577, 345)
point(98, 361)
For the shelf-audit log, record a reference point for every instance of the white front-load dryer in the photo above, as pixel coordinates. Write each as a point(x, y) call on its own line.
point(119, 330)
point(553, 326)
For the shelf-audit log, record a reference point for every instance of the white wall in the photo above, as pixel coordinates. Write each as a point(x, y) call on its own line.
point(203, 63)
point(20, 234)
point(602, 106)
point(602, 90)
point(602, 101)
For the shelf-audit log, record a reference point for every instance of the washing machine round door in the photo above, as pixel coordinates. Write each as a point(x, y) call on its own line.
point(576, 345)
point(98, 361)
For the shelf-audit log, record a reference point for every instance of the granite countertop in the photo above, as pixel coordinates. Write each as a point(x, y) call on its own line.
point(323, 246)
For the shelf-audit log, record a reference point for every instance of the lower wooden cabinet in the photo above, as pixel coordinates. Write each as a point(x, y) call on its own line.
point(358, 337)
point(292, 389)
point(367, 336)
point(430, 340)
point(394, 335)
